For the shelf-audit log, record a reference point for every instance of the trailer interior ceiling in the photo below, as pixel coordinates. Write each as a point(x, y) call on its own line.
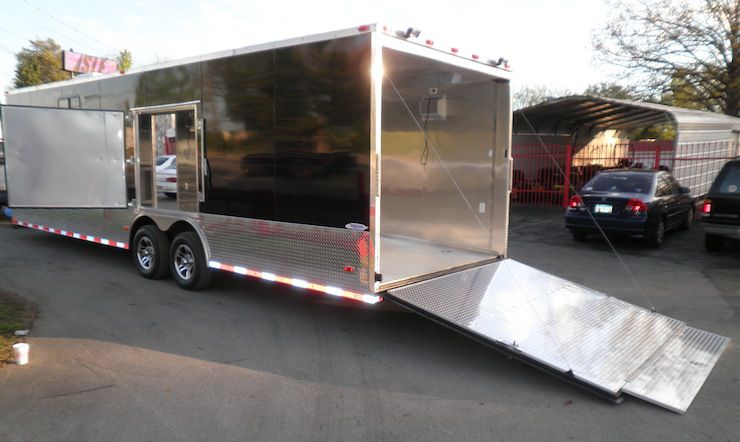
point(438, 139)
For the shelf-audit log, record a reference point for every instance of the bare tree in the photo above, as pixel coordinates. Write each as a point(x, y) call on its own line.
point(687, 52)
point(614, 90)
point(529, 95)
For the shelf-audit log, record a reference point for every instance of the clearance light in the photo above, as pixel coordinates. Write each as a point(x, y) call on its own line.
point(95, 239)
point(299, 283)
point(295, 282)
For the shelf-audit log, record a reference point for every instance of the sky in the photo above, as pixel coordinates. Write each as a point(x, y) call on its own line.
point(546, 42)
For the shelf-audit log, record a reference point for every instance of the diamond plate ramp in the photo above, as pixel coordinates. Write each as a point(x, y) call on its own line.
point(586, 336)
point(673, 376)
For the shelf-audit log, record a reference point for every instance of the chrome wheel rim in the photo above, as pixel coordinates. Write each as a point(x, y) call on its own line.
point(145, 253)
point(184, 262)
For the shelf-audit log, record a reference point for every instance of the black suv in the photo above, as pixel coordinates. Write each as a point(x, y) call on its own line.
point(720, 212)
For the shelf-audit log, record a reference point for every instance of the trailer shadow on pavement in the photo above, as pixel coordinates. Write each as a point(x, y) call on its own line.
point(115, 354)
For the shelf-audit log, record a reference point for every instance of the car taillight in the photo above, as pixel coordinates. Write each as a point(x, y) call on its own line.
point(706, 207)
point(636, 206)
point(171, 180)
point(575, 202)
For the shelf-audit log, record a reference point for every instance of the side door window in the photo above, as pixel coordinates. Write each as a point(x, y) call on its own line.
point(664, 187)
point(675, 185)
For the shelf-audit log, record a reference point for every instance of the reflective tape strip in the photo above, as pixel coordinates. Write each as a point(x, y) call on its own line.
point(95, 239)
point(295, 282)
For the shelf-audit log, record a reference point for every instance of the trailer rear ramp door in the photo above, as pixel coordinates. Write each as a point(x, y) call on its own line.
point(587, 337)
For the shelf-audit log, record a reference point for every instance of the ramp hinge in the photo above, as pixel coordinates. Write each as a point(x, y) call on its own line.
point(378, 277)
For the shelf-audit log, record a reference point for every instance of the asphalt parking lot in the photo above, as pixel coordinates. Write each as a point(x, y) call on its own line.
point(118, 357)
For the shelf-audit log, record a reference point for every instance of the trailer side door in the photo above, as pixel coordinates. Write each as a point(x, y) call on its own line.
point(64, 158)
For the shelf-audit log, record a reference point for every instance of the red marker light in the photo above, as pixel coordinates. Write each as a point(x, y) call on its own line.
point(454, 50)
point(364, 28)
point(706, 207)
point(476, 56)
point(430, 42)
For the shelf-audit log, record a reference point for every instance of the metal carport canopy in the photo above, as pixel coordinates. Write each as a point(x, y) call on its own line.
point(567, 115)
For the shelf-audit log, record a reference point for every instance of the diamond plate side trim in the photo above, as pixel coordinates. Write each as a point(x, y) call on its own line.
point(323, 255)
point(673, 376)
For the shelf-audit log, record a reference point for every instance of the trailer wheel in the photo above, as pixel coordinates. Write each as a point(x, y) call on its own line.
point(151, 247)
point(188, 262)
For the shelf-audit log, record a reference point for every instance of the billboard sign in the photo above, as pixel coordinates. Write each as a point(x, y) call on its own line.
point(85, 64)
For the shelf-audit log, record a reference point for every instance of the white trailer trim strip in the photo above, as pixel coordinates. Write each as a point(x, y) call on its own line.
point(75, 235)
point(295, 282)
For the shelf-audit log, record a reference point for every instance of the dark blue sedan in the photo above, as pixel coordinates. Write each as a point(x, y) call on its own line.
point(630, 202)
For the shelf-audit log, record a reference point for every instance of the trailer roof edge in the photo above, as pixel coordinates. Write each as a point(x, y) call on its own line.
point(347, 32)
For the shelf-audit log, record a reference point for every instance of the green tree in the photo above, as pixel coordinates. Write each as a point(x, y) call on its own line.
point(124, 60)
point(39, 64)
point(686, 48)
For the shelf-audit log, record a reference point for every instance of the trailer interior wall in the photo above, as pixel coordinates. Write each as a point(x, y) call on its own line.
point(439, 150)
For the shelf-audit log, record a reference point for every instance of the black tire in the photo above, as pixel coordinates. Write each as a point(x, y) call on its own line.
point(714, 243)
point(658, 236)
point(150, 250)
point(579, 236)
point(170, 195)
point(688, 221)
point(187, 262)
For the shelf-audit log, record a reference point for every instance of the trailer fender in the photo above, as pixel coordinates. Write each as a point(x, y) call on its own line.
point(172, 225)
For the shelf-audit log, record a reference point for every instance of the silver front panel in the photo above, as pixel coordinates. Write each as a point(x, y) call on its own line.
point(320, 255)
point(673, 376)
point(64, 158)
point(103, 223)
point(598, 339)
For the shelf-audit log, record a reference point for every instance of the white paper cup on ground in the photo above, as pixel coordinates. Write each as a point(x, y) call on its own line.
point(21, 353)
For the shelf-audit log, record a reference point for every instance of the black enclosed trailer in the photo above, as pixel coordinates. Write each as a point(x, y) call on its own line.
point(362, 163)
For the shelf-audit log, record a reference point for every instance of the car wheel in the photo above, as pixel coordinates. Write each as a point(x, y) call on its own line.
point(188, 262)
point(713, 243)
point(579, 236)
point(688, 221)
point(151, 247)
point(657, 237)
point(170, 195)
